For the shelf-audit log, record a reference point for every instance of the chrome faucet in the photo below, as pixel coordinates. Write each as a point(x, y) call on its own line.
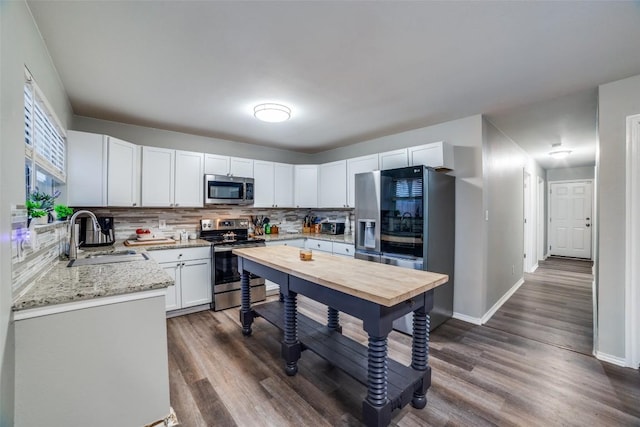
point(73, 247)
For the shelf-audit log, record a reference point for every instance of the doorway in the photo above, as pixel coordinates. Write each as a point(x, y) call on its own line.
point(570, 218)
point(528, 225)
point(632, 246)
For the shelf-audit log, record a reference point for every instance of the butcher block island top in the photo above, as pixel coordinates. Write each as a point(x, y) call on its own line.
point(379, 283)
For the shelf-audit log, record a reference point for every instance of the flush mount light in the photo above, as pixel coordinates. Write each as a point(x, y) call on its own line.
point(557, 152)
point(272, 113)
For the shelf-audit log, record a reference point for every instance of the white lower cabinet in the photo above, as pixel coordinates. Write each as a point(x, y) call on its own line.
point(335, 248)
point(191, 270)
point(319, 245)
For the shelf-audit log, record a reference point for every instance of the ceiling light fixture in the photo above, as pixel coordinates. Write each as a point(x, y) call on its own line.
point(557, 152)
point(272, 113)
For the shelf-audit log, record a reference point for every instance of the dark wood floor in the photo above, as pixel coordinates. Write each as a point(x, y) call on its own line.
point(554, 305)
point(481, 376)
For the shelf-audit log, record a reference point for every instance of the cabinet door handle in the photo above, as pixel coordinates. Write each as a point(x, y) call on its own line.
point(177, 204)
point(134, 204)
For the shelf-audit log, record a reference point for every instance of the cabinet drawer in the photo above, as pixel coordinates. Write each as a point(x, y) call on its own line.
point(319, 245)
point(298, 243)
point(343, 249)
point(180, 254)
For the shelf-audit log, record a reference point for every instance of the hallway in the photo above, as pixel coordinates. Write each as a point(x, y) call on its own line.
point(554, 305)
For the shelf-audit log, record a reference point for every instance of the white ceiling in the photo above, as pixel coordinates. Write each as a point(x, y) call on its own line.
point(350, 71)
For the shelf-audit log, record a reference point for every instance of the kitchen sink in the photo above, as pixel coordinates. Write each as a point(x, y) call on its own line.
point(108, 258)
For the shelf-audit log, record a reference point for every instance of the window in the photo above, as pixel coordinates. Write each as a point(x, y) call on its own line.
point(45, 145)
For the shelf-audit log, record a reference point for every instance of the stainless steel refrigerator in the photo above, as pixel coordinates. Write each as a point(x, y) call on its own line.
point(406, 217)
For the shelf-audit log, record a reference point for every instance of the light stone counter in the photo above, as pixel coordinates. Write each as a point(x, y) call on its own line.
point(62, 284)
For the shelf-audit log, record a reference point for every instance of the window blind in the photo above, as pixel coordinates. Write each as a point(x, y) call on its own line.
point(45, 142)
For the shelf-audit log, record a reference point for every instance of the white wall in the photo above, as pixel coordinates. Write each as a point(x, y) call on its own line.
point(141, 135)
point(567, 174)
point(466, 137)
point(617, 100)
point(504, 166)
point(21, 45)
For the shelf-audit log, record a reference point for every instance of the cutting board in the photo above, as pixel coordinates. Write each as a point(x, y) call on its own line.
point(148, 242)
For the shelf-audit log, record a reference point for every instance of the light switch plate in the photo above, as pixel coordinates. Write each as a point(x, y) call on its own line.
point(162, 224)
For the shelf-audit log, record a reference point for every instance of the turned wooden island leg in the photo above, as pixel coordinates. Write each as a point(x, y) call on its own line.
point(246, 315)
point(376, 408)
point(291, 348)
point(333, 319)
point(420, 355)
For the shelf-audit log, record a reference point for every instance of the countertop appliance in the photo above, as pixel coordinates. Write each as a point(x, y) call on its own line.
point(332, 227)
point(406, 217)
point(226, 235)
point(228, 190)
point(89, 238)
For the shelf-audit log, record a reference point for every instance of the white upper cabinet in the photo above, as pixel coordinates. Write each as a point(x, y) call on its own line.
point(216, 165)
point(241, 167)
point(394, 159)
point(263, 191)
point(355, 166)
point(86, 169)
point(332, 185)
point(171, 178)
point(282, 185)
point(123, 173)
point(306, 186)
point(224, 165)
point(158, 169)
point(189, 179)
point(438, 155)
point(273, 184)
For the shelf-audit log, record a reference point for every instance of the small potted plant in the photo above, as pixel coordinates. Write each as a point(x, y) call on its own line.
point(36, 213)
point(62, 212)
point(40, 205)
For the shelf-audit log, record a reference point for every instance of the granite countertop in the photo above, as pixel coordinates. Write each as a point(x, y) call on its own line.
point(340, 238)
point(62, 284)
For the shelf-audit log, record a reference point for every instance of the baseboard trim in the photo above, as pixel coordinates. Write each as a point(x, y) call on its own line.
point(489, 314)
point(615, 360)
point(535, 267)
point(468, 319)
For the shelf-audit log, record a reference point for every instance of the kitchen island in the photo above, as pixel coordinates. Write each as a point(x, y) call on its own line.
point(375, 293)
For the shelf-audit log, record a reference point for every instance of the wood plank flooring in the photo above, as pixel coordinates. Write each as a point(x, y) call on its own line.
point(481, 376)
point(554, 305)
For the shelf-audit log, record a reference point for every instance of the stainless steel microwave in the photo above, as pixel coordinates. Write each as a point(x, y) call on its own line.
point(227, 190)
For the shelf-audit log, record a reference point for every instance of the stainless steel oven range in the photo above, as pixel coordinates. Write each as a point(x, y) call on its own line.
point(226, 235)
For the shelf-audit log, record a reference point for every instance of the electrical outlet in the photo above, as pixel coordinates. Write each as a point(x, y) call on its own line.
point(162, 224)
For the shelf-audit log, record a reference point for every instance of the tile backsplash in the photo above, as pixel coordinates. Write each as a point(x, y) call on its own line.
point(33, 250)
point(127, 220)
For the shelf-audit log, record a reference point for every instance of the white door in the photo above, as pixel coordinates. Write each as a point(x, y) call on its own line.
point(122, 173)
point(283, 185)
point(172, 299)
point(394, 159)
point(306, 186)
point(540, 220)
point(241, 167)
point(355, 166)
point(216, 165)
point(570, 219)
point(332, 185)
point(195, 281)
point(264, 184)
point(528, 222)
point(158, 168)
point(189, 181)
